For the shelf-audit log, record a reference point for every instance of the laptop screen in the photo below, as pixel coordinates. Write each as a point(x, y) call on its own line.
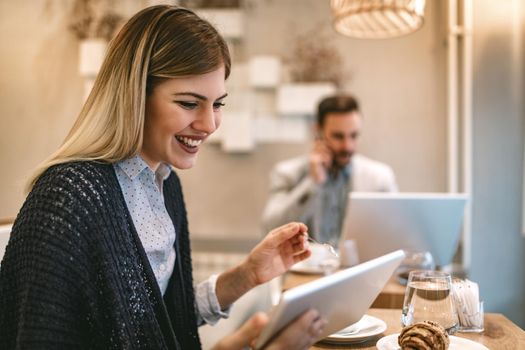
point(382, 222)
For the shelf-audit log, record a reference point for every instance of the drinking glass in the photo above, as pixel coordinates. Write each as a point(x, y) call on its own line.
point(414, 260)
point(429, 296)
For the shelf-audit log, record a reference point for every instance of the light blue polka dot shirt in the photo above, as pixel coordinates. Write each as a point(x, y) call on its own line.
point(142, 189)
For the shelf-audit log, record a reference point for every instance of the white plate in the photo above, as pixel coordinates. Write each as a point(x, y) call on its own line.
point(390, 343)
point(367, 327)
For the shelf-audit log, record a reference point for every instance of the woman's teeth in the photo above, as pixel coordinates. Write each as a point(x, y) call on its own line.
point(188, 142)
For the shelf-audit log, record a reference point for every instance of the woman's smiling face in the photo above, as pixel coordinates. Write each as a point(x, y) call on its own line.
point(180, 114)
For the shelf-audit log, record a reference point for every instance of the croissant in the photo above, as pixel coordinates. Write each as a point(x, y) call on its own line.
point(426, 335)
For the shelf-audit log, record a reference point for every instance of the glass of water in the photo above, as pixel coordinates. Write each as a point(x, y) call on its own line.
point(414, 260)
point(429, 296)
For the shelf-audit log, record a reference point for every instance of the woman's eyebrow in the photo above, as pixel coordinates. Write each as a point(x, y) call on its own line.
point(198, 96)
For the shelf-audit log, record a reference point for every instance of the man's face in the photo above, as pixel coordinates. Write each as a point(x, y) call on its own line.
point(340, 133)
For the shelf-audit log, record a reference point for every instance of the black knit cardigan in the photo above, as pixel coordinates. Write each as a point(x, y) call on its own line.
point(75, 274)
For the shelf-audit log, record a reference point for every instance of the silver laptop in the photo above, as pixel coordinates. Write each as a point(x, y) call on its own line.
point(383, 222)
point(342, 298)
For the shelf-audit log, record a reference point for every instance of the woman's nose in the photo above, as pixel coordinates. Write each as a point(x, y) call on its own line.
point(207, 121)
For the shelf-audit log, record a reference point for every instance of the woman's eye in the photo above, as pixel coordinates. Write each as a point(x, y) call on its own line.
point(218, 105)
point(187, 105)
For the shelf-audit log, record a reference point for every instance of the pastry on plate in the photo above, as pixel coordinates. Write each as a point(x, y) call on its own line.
point(426, 335)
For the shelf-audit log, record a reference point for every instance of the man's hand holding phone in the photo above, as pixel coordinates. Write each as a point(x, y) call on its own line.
point(321, 159)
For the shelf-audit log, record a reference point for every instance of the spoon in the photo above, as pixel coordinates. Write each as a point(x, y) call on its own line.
point(328, 246)
point(357, 330)
point(362, 326)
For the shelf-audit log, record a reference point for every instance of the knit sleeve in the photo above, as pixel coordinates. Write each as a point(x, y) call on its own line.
point(42, 275)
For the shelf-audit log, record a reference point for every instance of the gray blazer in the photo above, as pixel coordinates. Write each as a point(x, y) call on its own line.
point(294, 196)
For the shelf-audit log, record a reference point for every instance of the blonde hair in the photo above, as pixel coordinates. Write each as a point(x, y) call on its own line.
point(158, 43)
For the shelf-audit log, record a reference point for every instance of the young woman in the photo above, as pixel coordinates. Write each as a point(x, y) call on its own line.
point(99, 255)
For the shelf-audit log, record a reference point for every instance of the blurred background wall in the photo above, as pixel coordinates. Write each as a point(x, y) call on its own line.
point(498, 249)
point(401, 84)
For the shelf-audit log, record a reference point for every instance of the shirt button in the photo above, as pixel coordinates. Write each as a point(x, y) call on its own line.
point(162, 267)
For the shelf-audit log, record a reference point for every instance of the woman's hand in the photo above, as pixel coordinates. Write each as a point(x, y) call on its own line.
point(299, 334)
point(277, 252)
point(274, 255)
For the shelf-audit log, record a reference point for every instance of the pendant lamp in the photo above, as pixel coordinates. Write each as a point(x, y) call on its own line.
point(377, 19)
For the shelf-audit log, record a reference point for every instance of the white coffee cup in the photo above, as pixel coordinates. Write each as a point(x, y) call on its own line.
point(319, 254)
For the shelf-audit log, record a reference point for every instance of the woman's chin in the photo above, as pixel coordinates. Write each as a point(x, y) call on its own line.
point(184, 163)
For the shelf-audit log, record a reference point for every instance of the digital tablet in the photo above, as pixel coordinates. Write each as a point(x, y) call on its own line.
point(383, 222)
point(342, 298)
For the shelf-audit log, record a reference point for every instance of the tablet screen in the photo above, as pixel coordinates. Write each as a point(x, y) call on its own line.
point(342, 298)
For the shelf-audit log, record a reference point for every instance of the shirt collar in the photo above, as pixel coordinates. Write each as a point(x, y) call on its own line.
point(163, 171)
point(345, 171)
point(133, 166)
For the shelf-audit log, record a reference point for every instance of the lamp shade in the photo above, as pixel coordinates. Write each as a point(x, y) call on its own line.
point(377, 19)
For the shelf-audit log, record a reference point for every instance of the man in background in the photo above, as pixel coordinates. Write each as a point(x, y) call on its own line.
point(314, 188)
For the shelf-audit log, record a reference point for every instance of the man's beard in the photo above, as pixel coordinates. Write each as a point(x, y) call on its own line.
point(346, 155)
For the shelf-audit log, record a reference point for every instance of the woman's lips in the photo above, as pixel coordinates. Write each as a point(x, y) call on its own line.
point(190, 145)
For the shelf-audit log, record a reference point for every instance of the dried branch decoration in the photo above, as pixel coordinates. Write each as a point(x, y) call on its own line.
point(94, 19)
point(314, 58)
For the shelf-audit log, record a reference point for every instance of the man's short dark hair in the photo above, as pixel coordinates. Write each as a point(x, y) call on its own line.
point(336, 104)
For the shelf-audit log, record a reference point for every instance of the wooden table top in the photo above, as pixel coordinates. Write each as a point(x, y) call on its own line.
point(500, 333)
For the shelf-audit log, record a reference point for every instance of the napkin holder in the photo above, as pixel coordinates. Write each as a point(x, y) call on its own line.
point(468, 306)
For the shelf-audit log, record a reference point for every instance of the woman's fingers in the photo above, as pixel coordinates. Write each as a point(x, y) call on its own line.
point(295, 245)
point(317, 327)
point(277, 252)
point(302, 256)
point(300, 333)
point(286, 232)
